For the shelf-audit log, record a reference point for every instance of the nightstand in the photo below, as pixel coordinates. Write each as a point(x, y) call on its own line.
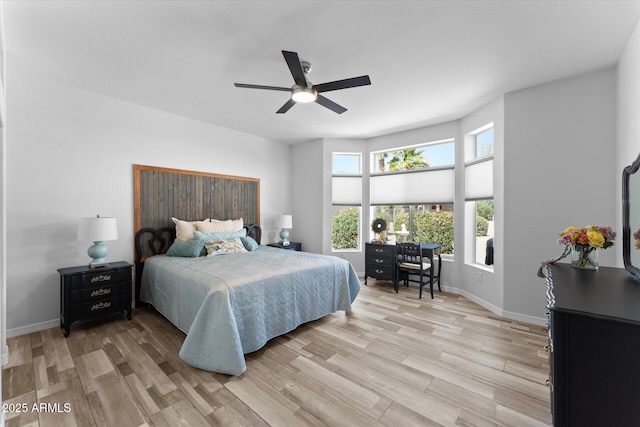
point(292, 246)
point(380, 262)
point(88, 293)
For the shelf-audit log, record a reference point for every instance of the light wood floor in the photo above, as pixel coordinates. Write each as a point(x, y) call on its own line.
point(395, 361)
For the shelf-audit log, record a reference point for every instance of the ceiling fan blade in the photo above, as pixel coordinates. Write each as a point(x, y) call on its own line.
point(286, 89)
point(286, 106)
point(294, 66)
point(343, 84)
point(336, 108)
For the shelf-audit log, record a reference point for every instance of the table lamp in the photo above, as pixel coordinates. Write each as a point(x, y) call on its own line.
point(97, 230)
point(284, 222)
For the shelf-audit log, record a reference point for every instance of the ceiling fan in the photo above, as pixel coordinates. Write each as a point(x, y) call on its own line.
point(304, 91)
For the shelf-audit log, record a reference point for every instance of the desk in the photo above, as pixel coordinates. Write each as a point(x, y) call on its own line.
point(380, 262)
point(429, 250)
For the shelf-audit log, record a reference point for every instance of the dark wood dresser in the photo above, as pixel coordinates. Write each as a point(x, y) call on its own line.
point(380, 262)
point(594, 343)
point(87, 293)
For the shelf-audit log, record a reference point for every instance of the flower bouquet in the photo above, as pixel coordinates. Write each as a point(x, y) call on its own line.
point(584, 244)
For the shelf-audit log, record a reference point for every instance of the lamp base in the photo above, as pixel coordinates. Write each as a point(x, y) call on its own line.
point(98, 264)
point(284, 237)
point(98, 253)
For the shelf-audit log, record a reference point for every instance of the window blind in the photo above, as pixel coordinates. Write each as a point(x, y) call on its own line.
point(423, 186)
point(478, 179)
point(346, 190)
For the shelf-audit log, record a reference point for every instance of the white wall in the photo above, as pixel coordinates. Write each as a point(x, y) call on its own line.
point(71, 154)
point(307, 168)
point(628, 118)
point(560, 170)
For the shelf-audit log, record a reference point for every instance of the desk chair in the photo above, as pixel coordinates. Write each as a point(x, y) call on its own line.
point(411, 262)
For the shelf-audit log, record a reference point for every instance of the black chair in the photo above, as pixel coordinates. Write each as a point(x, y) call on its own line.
point(488, 258)
point(411, 262)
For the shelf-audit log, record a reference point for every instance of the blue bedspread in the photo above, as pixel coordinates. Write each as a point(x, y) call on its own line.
point(232, 304)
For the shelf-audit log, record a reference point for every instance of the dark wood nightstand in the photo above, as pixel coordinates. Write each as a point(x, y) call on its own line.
point(380, 262)
point(292, 246)
point(88, 293)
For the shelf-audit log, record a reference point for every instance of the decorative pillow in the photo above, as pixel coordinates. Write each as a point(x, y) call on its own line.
point(216, 226)
point(220, 246)
point(185, 229)
point(249, 243)
point(199, 235)
point(186, 248)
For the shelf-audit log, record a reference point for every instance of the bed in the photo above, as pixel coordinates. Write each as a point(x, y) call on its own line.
point(231, 304)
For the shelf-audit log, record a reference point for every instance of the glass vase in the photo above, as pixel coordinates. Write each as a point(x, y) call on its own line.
point(585, 257)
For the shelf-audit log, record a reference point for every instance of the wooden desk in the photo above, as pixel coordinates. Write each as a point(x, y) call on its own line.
point(380, 262)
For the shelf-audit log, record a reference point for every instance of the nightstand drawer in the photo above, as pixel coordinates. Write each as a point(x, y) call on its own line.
point(97, 293)
point(101, 278)
point(102, 307)
point(381, 260)
point(383, 272)
point(380, 250)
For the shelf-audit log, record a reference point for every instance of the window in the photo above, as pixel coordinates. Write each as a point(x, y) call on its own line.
point(479, 208)
point(433, 154)
point(346, 164)
point(419, 223)
point(414, 187)
point(484, 143)
point(346, 198)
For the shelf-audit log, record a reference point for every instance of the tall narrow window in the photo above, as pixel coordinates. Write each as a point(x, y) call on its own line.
point(346, 198)
point(479, 210)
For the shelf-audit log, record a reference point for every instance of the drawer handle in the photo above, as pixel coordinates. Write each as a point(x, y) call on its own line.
point(101, 278)
point(380, 250)
point(379, 261)
point(101, 306)
point(379, 271)
point(101, 292)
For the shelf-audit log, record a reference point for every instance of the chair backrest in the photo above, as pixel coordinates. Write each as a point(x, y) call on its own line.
point(409, 252)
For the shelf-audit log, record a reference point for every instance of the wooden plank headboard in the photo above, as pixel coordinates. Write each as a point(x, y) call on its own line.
point(162, 193)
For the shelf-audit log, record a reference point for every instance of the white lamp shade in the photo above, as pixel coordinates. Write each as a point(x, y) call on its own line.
point(98, 229)
point(284, 221)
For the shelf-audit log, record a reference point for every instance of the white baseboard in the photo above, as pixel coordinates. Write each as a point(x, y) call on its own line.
point(541, 321)
point(4, 355)
point(22, 330)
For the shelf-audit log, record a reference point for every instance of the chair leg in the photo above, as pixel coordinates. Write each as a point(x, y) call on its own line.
point(439, 271)
point(431, 280)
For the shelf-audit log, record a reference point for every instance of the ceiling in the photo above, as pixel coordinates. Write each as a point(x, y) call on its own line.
point(429, 61)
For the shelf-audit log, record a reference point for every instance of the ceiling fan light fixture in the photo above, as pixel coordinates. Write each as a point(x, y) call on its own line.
point(304, 94)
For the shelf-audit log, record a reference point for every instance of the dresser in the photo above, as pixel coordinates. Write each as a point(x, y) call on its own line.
point(380, 262)
point(87, 293)
point(594, 346)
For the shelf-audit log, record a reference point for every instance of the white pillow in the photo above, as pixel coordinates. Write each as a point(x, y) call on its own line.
point(185, 229)
point(216, 226)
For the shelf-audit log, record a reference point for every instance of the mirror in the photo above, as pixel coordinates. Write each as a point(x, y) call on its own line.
point(631, 217)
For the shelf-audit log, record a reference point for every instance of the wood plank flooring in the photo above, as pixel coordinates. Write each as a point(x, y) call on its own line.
point(394, 361)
